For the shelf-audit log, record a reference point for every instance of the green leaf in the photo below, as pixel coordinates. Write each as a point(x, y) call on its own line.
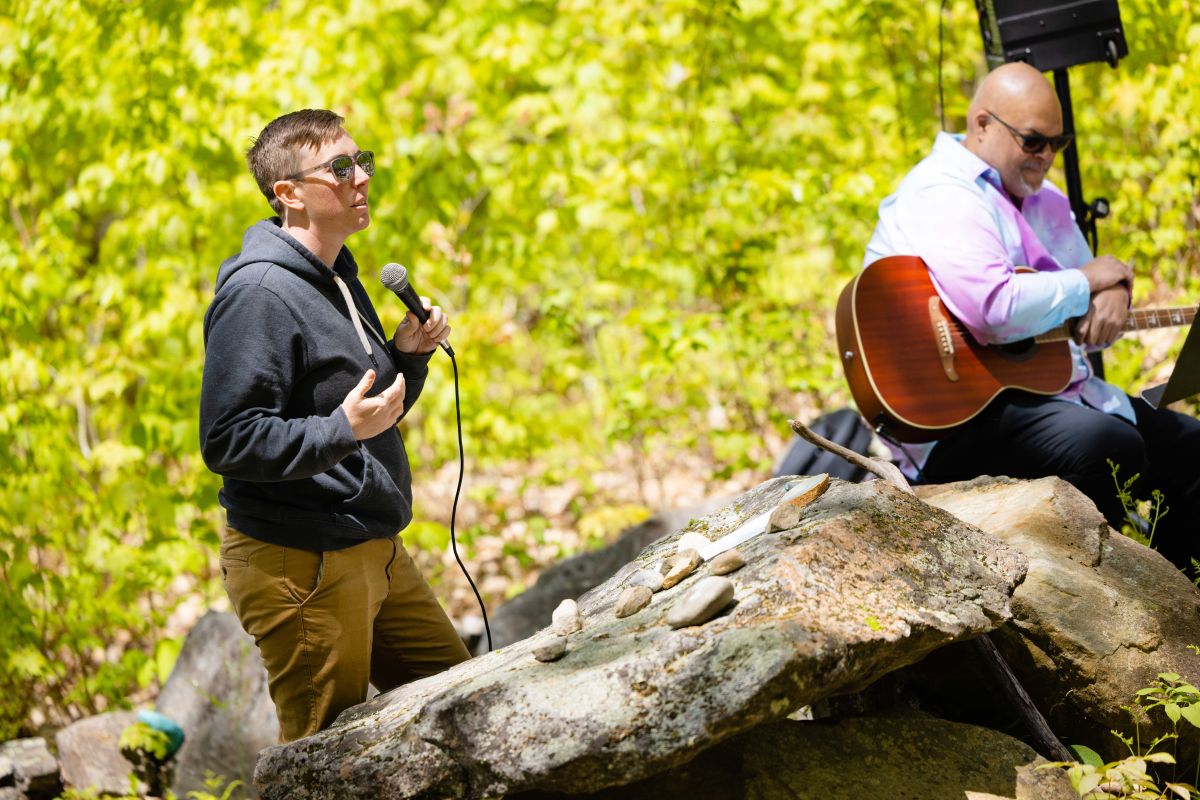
point(1191, 713)
point(1087, 755)
point(1159, 758)
point(1087, 782)
point(166, 652)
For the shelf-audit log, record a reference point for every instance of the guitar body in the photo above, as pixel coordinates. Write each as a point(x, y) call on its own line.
point(914, 369)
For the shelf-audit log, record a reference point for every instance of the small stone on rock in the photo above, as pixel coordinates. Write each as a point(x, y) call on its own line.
point(800, 494)
point(702, 602)
point(691, 541)
point(632, 600)
point(553, 650)
point(727, 562)
point(566, 618)
point(685, 564)
point(646, 577)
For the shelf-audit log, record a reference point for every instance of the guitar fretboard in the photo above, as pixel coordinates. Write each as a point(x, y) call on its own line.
point(1139, 319)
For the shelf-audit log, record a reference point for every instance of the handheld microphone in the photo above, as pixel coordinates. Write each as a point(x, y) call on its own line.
point(395, 277)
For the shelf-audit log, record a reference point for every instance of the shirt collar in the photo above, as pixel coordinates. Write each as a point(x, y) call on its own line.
point(950, 151)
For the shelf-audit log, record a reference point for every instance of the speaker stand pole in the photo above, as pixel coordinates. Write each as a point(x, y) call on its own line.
point(1084, 217)
point(1083, 212)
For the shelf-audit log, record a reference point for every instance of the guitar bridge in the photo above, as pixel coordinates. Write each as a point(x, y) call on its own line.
point(941, 335)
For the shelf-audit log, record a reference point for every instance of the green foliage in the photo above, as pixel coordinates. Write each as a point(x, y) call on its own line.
point(598, 528)
point(1127, 778)
point(1131, 777)
point(1141, 516)
point(639, 215)
point(141, 738)
point(149, 751)
point(215, 788)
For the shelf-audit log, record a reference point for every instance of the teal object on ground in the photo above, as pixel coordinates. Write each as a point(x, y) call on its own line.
point(166, 725)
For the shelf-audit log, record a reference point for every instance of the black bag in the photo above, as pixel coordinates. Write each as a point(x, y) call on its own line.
point(844, 427)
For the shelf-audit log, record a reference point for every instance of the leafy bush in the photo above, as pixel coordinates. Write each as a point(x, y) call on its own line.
point(638, 214)
point(1132, 777)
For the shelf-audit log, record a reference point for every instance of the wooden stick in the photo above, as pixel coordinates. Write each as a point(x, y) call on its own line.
point(885, 470)
point(1048, 743)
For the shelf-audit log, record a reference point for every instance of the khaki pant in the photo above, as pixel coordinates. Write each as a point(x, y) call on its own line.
point(329, 623)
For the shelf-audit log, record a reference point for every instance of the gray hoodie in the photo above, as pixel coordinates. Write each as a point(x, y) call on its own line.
point(283, 348)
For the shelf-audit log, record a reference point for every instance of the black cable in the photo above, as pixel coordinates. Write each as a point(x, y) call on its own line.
point(462, 465)
point(941, 51)
point(883, 433)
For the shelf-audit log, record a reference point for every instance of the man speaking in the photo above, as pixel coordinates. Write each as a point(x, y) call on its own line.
point(301, 394)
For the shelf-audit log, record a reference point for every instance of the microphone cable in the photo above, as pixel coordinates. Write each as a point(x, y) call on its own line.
point(462, 465)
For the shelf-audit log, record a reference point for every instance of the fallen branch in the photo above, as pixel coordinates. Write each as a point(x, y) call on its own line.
point(884, 470)
point(1049, 744)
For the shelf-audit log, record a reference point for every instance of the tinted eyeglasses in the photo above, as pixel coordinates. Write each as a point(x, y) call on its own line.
point(1035, 142)
point(342, 167)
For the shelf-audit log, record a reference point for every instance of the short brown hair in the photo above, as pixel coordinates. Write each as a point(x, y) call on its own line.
point(275, 154)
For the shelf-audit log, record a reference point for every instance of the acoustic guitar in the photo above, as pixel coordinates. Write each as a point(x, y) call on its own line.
point(916, 371)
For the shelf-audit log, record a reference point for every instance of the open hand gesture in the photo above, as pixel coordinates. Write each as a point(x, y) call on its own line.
point(371, 416)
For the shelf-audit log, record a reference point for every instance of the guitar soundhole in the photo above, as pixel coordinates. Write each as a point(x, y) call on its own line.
point(1018, 351)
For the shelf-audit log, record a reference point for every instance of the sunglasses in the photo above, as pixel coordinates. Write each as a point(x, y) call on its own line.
point(1035, 142)
point(342, 167)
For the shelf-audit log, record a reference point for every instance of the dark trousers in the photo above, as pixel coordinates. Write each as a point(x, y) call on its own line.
point(1028, 436)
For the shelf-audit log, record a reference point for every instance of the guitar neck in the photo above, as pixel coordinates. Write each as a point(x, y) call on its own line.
point(1139, 319)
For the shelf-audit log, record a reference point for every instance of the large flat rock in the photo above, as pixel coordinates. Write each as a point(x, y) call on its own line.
point(527, 612)
point(869, 580)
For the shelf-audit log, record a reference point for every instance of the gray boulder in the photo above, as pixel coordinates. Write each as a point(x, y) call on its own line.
point(869, 580)
point(1098, 616)
point(900, 757)
point(89, 755)
point(31, 770)
point(218, 694)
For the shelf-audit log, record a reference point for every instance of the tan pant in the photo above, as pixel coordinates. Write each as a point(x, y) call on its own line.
point(329, 623)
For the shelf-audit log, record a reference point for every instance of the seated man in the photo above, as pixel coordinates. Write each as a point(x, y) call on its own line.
point(975, 208)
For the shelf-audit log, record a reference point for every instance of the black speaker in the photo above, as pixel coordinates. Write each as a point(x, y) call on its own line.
point(1051, 35)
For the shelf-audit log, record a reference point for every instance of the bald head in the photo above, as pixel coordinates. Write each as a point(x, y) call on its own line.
point(1014, 89)
point(1014, 97)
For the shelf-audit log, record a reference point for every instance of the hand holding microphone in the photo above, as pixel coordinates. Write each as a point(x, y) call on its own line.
point(431, 329)
point(421, 338)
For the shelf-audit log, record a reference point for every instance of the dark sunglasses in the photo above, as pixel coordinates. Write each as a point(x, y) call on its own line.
point(342, 167)
point(1035, 142)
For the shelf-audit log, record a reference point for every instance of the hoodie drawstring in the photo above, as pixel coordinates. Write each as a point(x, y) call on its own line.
point(353, 311)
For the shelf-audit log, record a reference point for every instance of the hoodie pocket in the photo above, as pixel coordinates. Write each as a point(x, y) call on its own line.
point(320, 497)
point(383, 505)
point(358, 493)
